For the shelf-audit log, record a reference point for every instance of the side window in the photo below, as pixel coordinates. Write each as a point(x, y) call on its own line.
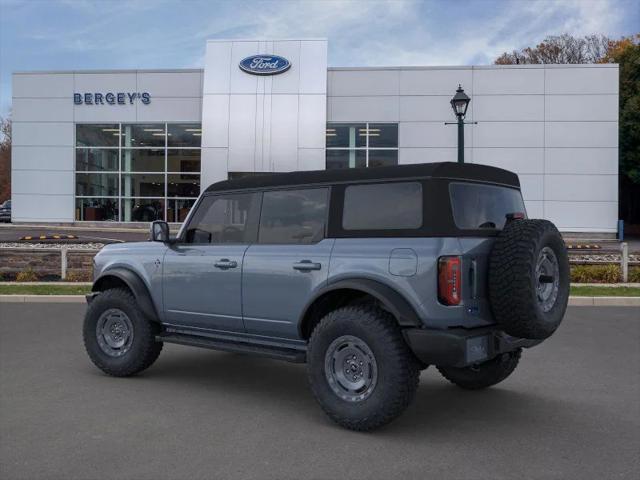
point(224, 219)
point(293, 216)
point(383, 206)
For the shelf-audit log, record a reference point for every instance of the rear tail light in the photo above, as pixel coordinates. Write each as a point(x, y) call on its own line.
point(449, 280)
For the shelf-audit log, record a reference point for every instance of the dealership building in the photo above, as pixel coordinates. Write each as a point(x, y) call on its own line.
point(135, 145)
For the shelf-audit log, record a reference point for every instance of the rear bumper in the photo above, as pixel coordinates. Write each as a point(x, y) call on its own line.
point(459, 347)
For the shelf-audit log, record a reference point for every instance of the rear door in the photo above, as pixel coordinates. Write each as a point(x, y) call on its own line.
point(202, 275)
point(290, 260)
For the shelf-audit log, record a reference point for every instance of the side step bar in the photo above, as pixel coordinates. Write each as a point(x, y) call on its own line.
point(278, 353)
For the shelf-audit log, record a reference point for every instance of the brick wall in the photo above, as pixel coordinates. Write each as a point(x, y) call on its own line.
point(46, 264)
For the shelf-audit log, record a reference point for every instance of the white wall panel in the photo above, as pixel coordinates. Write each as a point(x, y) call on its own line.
point(583, 216)
point(42, 208)
point(43, 85)
point(35, 182)
point(42, 134)
point(42, 110)
point(217, 78)
point(430, 134)
point(284, 133)
point(362, 109)
point(508, 81)
point(170, 84)
point(519, 160)
point(215, 121)
point(242, 133)
point(214, 166)
point(428, 109)
point(311, 121)
point(105, 113)
point(508, 108)
point(311, 159)
point(313, 67)
point(351, 83)
point(535, 208)
point(532, 186)
point(586, 80)
point(581, 134)
point(171, 110)
point(581, 187)
point(603, 161)
point(289, 81)
point(241, 82)
point(105, 82)
point(581, 108)
point(42, 158)
point(509, 134)
point(431, 155)
point(435, 81)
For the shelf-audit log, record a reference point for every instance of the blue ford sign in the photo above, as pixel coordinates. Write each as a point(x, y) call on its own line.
point(265, 64)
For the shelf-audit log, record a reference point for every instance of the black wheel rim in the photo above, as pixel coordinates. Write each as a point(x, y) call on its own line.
point(547, 279)
point(114, 332)
point(351, 368)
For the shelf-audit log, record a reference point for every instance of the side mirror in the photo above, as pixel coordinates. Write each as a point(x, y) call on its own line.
point(160, 231)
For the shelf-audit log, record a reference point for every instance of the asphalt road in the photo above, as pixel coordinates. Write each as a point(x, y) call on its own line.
point(571, 410)
point(11, 233)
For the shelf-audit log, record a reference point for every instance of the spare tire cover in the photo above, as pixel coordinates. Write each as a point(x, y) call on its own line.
point(529, 279)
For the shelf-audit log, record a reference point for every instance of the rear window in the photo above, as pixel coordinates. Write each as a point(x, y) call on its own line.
point(383, 206)
point(477, 206)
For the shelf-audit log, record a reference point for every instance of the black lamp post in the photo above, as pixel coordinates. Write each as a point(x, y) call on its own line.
point(460, 103)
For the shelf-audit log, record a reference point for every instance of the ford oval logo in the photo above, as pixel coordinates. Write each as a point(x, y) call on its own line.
point(265, 64)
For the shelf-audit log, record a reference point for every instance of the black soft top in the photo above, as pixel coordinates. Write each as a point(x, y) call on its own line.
point(467, 171)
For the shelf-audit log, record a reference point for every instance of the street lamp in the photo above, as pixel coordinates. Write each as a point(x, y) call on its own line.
point(459, 104)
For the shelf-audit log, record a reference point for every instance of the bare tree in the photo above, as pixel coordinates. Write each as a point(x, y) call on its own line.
point(5, 159)
point(560, 49)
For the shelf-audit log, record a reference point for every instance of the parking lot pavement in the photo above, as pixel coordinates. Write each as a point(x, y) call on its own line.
point(571, 410)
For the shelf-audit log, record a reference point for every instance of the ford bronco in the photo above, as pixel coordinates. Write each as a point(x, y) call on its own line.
point(367, 275)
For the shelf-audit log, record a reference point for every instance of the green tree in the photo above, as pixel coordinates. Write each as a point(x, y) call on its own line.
point(600, 49)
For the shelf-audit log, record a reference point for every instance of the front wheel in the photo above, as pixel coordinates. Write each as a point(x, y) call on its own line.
point(360, 370)
point(118, 338)
point(485, 374)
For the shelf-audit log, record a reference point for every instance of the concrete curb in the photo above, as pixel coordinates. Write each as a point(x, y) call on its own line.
point(573, 301)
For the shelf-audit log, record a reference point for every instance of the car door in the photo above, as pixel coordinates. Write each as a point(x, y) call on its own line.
point(202, 274)
point(290, 260)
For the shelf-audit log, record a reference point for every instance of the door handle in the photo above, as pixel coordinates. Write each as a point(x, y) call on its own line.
point(305, 265)
point(225, 263)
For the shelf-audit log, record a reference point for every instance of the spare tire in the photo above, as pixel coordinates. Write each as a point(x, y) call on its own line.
point(529, 279)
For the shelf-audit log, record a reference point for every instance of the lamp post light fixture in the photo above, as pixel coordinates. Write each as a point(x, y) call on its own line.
point(459, 104)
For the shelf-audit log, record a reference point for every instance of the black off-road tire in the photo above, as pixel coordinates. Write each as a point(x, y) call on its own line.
point(513, 282)
point(143, 350)
point(398, 371)
point(484, 375)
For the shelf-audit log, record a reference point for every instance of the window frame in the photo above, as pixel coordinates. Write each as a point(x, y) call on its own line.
point(367, 148)
point(121, 173)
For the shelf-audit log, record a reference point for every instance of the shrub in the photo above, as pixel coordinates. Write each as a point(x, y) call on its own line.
point(596, 273)
point(634, 274)
point(27, 275)
point(81, 276)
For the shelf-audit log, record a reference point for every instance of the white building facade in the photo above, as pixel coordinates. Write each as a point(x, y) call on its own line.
point(136, 145)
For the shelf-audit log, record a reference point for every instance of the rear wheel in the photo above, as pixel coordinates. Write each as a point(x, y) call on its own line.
point(118, 338)
point(360, 370)
point(485, 374)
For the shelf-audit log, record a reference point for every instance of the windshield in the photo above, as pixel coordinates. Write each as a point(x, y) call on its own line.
point(483, 206)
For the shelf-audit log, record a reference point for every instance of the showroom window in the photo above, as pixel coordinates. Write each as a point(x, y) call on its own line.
point(137, 172)
point(351, 145)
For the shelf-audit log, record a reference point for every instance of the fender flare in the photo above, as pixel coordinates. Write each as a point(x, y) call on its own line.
point(137, 287)
point(393, 301)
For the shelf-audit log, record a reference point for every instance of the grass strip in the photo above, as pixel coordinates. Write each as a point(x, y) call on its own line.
point(52, 289)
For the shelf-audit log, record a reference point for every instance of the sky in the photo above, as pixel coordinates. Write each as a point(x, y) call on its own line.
point(109, 34)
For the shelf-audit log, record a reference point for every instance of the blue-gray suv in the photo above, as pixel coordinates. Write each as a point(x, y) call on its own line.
point(367, 275)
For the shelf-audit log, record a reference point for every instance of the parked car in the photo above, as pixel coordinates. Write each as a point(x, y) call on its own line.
point(5, 211)
point(367, 275)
